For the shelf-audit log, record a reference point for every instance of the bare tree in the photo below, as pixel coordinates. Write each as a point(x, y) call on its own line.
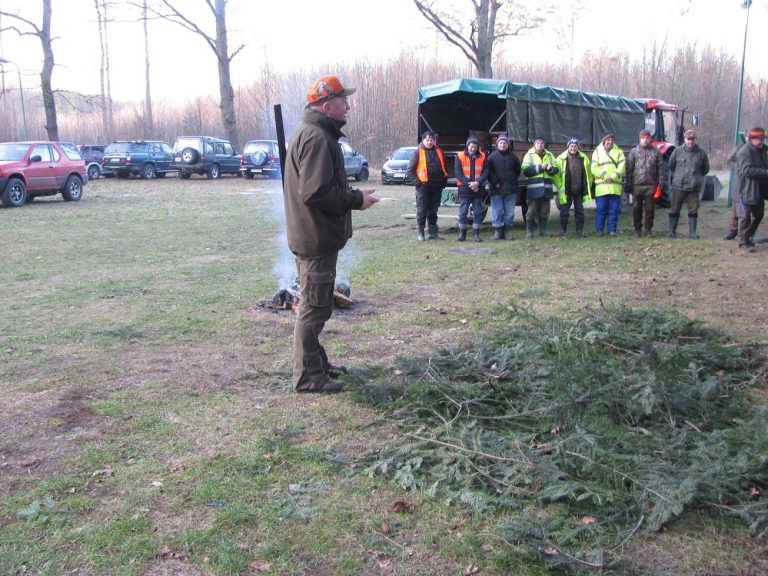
point(565, 39)
point(42, 32)
point(104, 76)
point(489, 22)
point(149, 123)
point(219, 45)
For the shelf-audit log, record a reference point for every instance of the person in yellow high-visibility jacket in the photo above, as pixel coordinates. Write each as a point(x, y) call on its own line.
point(608, 169)
point(540, 169)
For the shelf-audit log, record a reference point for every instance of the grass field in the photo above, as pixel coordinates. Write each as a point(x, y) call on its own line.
point(149, 426)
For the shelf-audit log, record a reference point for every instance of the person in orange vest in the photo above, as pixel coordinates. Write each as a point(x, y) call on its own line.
point(471, 175)
point(426, 167)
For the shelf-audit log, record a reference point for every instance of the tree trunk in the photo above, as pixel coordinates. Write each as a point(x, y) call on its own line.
point(51, 123)
point(106, 95)
point(149, 123)
point(485, 17)
point(227, 94)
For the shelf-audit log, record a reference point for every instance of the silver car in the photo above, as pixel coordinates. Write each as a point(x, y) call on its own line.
point(395, 169)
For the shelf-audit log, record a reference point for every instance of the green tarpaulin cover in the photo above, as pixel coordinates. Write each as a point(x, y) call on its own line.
point(467, 105)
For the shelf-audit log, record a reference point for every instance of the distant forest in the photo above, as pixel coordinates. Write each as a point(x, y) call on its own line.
point(384, 109)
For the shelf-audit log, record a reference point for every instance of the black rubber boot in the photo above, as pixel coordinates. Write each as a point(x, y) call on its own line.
point(731, 235)
point(563, 228)
point(433, 235)
point(462, 234)
point(529, 228)
point(580, 229)
point(673, 220)
point(498, 234)
point(420, 237)
point(692, 223)
point(476, 235)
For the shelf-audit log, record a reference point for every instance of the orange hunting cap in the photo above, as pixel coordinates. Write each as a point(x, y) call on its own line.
point(756, 133)
point(326, 88)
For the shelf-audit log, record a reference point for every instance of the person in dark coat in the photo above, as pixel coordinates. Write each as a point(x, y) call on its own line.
point(574, 181)
point(318, 206)
point(752, 184)
point(471, 174)
point(503, 172)
point(426, 167)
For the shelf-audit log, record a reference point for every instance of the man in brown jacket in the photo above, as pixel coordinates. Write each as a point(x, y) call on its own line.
point(644, 172)
point(318, 205)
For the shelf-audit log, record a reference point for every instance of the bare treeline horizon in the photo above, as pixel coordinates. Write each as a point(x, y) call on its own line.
point(384, 109)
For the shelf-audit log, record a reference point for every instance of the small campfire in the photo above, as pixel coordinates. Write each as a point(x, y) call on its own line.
point(290, 298)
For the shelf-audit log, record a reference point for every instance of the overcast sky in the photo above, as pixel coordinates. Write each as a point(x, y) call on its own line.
point(297, 34)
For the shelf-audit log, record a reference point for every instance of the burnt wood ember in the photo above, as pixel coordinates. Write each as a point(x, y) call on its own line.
point(287, 298)
point(290, 298)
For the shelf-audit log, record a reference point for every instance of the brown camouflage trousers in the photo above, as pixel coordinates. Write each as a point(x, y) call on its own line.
point(317, 278)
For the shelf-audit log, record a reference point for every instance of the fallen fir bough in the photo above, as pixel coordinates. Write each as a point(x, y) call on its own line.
point(590, 429)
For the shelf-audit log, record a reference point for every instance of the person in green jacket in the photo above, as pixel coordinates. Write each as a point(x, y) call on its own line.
point(752, 184)
point(318, 205)
point(573, 184)
point(608, 169)
point(687, 166)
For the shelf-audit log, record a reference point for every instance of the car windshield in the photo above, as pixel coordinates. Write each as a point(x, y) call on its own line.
point(117, 148)
point(12, 152)
point(403, 154)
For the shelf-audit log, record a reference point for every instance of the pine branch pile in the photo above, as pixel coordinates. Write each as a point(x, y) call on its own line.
point(591, 429)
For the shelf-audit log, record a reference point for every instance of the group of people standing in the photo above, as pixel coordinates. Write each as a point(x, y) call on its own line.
point(319, 201)
point(573, 176)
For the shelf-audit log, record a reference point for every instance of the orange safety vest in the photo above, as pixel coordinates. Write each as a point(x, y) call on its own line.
point(466, 164)
point(421, 167)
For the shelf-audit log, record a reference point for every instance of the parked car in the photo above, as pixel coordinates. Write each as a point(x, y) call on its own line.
point(92, 154)
point(205, 155)
point(145, 158)
point(395, 169)
point(355, 164)
point(260, 157)
point(31, 169)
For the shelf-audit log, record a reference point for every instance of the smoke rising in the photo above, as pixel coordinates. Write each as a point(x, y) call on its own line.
point(285, 266)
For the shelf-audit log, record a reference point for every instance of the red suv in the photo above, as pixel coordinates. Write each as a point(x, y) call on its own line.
point(30, 169)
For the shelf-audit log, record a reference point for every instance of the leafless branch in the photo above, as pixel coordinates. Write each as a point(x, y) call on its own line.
point(20, 19)
point(468, 47)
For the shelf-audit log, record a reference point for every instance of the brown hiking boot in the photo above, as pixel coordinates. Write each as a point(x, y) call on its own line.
point(335, 370)
point(323, 386)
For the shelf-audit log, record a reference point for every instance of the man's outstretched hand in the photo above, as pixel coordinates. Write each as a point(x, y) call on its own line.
point(368, 199)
